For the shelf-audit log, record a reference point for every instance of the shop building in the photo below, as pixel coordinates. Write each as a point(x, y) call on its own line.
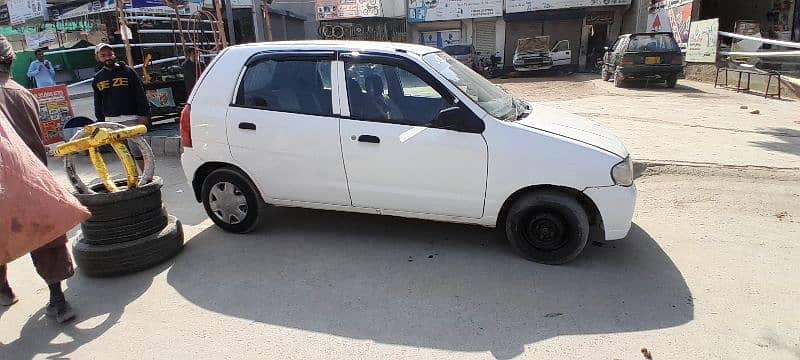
point(588, 25)
point(374, 20)
point(459, 22)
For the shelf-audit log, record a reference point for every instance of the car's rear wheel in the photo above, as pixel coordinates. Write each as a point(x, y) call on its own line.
point(672, 80)
point(619, 79)
point(231, 200)
point(605, 74)
point(547, 227)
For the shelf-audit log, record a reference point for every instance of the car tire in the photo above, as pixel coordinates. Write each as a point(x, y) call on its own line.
point(619, 79)
point(131, 256)
point(114, 232)
point(232, 201)
point(547, 227)
point(123, 204)
point(604, 73)
point(672, 81)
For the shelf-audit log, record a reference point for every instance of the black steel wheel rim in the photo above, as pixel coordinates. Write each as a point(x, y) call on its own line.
point(545, 230)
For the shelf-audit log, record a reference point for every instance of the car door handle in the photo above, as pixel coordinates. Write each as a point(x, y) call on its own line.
point(247, 126)
point(369, 139)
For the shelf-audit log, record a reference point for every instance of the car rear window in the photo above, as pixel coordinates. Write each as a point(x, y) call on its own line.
point(653, 43)
point(457, 50)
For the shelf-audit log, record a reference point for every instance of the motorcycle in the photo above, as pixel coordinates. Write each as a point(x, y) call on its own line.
point(490, 66)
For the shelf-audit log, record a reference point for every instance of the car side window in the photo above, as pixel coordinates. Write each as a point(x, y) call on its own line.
point(293, 86)
point(621, 43)
point(390, 94)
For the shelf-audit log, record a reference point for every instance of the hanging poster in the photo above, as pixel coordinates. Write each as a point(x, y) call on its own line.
point(55, 109)
point(428, 10)
point(702, 44)
point(161, 97)
point(20, 11)
point(675, 19)
point(40, 39)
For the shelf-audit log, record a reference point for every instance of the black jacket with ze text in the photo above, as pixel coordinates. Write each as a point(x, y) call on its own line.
point(119, 91)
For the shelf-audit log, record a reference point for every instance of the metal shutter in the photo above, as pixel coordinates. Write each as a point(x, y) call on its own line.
point(484, 37)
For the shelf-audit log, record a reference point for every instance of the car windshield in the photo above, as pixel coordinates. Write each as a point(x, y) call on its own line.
point(457, 49)
point(653, 43)
point(488, 96)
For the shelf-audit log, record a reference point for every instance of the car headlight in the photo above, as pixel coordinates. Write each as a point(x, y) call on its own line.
point(622, 173)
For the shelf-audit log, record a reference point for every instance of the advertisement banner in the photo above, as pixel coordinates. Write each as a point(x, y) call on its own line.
point(347, 9)
point(5, 19)
point(440, 39)
point(161, 98)
point(40, 39)
point(513, 6)
point(55, 109)
point(427, 10)
point(20, 11)
point(155, 3)
point(674, 19)
point(702, 44)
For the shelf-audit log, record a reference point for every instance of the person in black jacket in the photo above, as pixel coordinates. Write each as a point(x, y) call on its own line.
point(119, 94)
point(192, 67)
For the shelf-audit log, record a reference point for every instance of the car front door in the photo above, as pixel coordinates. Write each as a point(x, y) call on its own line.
point(561, 54)
point(395, 159)
point(283, 128)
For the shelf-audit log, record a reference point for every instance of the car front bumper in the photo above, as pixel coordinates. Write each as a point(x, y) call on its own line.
point(616, 205)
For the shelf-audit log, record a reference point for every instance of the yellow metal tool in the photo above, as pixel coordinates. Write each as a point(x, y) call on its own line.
point(99, 137)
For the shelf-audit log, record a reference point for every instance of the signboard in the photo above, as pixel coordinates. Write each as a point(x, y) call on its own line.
point(675, 19)
point(427, 10)
point(600, 18)
point(155, 3)
point(347, 9)
point(440, 39)
point(20, 11)
point(54, 110)
point(513, 6)
point(702, 44)
point(40, 39)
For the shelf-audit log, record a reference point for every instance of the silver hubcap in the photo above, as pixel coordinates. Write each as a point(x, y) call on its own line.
point(227, 203)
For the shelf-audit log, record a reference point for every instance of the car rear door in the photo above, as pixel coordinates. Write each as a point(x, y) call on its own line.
point(283, 127)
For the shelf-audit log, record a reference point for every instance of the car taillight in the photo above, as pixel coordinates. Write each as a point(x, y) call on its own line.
point(677, 60)
point(186, 129)
point(626, 60)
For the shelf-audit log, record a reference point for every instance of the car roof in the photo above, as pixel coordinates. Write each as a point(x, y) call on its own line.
point(340, 45)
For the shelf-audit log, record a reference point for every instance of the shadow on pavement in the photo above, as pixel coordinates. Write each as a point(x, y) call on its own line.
point(788, 140)
point(426, 284)
point(98, 304)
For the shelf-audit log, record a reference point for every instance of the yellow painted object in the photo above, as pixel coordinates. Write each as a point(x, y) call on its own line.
point(98, 137)
point(145, 64)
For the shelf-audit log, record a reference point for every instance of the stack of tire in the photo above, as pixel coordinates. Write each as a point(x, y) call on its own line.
point(129, 231)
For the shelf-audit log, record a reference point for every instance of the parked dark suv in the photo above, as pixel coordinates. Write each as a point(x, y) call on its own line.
point(643, 56)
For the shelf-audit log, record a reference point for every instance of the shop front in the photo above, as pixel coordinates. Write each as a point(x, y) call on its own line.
point(458, 22)
point(372, 20)
point(587, 25)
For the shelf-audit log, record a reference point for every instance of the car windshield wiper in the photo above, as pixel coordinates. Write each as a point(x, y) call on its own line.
point(522, 109)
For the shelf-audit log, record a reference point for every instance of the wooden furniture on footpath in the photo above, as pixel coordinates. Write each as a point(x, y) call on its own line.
point(770, 76)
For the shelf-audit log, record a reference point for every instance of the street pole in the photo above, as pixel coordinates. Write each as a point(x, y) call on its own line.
point(123, 25)
point(220, 24)
point(229, 20)
point(265, 12)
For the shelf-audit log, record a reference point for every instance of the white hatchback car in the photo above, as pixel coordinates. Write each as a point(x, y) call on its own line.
point(403, 130)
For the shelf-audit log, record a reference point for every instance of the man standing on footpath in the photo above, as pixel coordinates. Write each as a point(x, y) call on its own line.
point(192, 67)
point(42, 71)
point(119, 94)
point(52, 261)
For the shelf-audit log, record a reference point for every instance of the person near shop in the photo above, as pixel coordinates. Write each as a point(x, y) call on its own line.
point(119, 94)
point(42, 71)
point(192, 67)
point(52, 261)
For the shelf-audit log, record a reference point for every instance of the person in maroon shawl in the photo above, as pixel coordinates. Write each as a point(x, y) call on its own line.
point(52, 261)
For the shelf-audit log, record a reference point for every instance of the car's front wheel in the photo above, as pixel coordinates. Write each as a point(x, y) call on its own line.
point(231, 200)
point(547, 227)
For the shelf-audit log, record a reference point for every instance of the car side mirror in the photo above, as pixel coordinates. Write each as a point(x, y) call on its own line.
point(478, 53)
point(605, 48)
point(452, 118)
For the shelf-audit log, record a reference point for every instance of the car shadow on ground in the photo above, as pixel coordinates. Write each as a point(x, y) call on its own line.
point(99, 305)
point(788, 140)
point(426, 284)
